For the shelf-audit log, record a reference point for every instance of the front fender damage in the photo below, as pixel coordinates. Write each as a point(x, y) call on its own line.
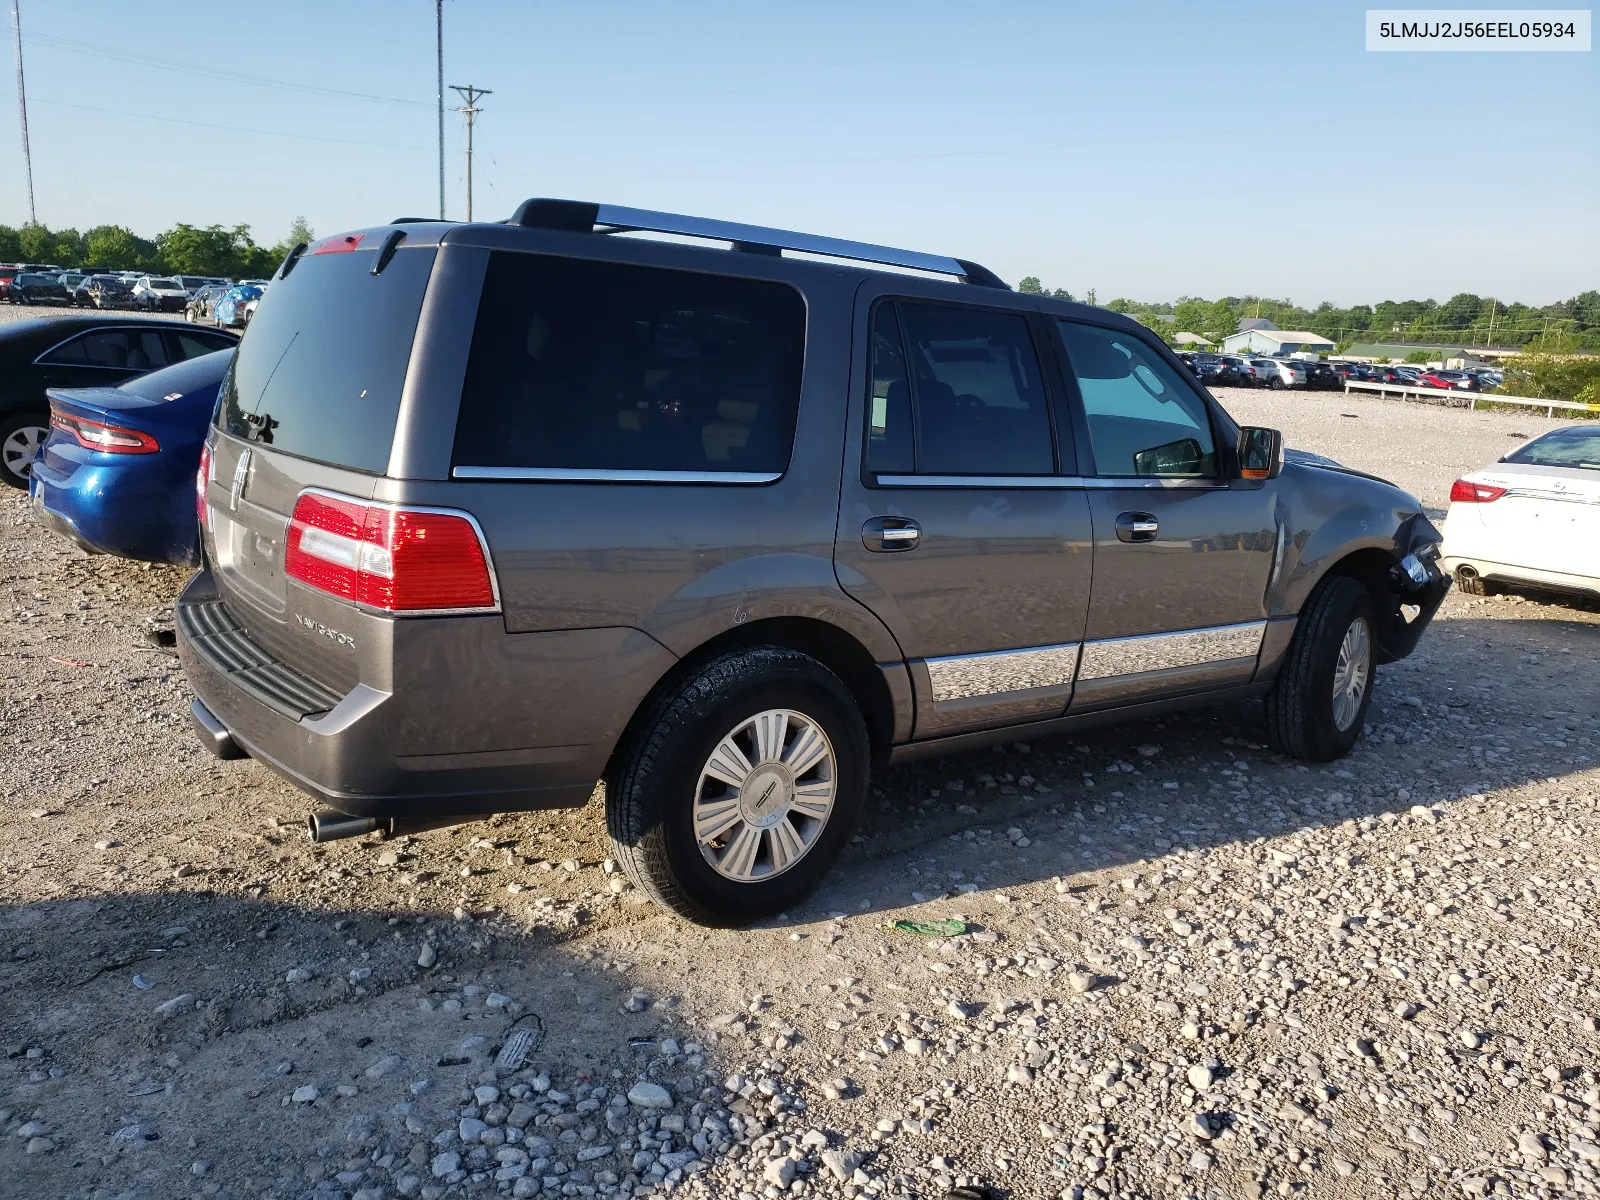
point(1415, 588)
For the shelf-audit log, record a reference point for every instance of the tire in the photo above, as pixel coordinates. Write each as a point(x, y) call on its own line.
point(1275, 384)
point(659, 775)
point(1476, 585)
point(20, 433)
point(1303, 717)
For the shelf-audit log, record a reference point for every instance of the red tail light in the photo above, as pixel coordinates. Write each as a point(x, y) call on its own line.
point(108, 439)
point(201, 479)
point(404, 560)
point(342, 243)
point(1463, 491)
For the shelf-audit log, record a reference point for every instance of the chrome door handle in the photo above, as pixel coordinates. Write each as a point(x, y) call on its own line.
point(890, 534)
point(1137, 527)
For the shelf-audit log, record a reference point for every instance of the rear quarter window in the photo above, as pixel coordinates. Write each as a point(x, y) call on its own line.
point(587, 366)
point(319, 373)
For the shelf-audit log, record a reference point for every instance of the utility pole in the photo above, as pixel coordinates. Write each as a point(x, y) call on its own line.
point(470, 110)
point(22, 109)
point(438, 38)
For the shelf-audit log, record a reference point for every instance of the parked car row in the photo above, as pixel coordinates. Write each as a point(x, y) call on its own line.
point(93, 287)
point(481, 598)
point(1475, 379)
point(1232, 370)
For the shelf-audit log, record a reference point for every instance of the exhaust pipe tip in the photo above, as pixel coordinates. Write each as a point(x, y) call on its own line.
point(326, 825)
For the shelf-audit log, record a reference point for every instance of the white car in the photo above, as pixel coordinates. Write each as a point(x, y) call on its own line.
point(1531, 518)
point(159, 294)
point(1281, 373)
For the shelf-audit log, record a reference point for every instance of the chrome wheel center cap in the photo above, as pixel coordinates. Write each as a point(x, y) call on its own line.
point(766, 795)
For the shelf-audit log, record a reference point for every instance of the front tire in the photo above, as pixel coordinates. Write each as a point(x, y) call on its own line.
point(739, 786)
point(1275, 384)
point(1318, 704)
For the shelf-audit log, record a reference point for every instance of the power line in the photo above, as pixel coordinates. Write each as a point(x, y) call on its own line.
point(470, 110)
point(304, 137)
point(117, 54)
point(22, 110)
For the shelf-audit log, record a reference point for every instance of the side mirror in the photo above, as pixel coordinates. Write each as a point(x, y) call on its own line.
point(1260, 452)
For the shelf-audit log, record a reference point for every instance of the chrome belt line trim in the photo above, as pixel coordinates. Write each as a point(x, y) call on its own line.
point(981, 481)
point(1111, 657)
point(965, 676)
point(587, 475)
point(1042, 481)
point(1118, 482)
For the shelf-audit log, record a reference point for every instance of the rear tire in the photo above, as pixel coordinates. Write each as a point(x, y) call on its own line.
point(21, 437)
point(1311, 711)
point(661, 798)
point(1476, 585)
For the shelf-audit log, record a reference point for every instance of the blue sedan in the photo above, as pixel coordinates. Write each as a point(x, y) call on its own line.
point(117, 473)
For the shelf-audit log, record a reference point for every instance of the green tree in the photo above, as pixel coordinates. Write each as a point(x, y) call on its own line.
point(66, 247)
point(214, 250)
point(1192, 315)
point(1221, 320)
point(258, 262)
point(10, 244)
point(34, 242)
point(117, 248)
point(1554, 376)
point(1032, 287)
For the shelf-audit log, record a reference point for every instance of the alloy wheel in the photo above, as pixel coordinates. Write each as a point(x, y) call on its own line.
point(19, 450)
point(1351, 673)
point(764, 795)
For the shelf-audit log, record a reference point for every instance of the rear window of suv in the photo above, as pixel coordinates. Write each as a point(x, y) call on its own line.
point(320, 372)
point(599, 368)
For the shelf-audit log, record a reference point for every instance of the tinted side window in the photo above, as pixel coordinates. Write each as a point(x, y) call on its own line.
point(981, 407)
point(122, 350)
point(603, 366)
point(67, 354)
point(1143, 418)
point(890, 438)
point(193, 345)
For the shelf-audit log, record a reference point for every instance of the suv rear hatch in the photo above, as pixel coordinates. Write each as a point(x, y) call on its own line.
point(311, 401)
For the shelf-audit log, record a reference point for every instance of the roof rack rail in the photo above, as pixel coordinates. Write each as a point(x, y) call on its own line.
point(576, 216)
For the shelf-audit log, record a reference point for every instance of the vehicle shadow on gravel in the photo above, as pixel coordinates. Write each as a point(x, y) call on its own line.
point(1485, 703)
point(281, 1045)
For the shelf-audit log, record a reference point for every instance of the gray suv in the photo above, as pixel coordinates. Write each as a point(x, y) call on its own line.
point(492, 512)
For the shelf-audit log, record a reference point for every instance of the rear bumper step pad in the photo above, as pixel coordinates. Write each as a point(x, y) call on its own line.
point(223, 643)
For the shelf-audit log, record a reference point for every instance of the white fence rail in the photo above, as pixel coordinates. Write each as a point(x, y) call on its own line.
point(1455, 397)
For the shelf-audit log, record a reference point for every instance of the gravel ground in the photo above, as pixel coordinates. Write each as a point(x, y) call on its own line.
point(27, 312)
point(1190, 968)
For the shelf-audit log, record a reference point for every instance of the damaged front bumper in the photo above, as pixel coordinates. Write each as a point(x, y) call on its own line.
point(1417, 587)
